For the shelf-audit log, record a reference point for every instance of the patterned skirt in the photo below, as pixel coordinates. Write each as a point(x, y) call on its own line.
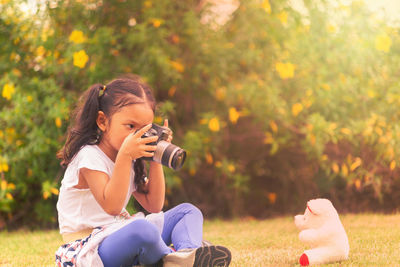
point(83, 252)
point(67, 254)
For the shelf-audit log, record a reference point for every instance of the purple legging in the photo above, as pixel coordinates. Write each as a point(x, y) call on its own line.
point(140, 241)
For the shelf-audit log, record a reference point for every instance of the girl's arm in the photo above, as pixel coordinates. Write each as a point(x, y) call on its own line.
point(111, 193)
point(153, 201)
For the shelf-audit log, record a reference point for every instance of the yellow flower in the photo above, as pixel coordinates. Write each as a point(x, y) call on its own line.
point(172, 90)
point(345, 131)
point(40, 51)
point(213, 124)
point(231, 168)
point(77, 37)
point(8, 90)
point(266, 6)
point(11, 186)
point(16, 57)
point(296, 109)
point(283, 17)
point(46, 195)
point(371, 93)
point(357, 183)
point(54, 191)
point(58, 122)
point(335, 167)
point(3, 185)
point(285, 70)
point(274, 126)
point(9, 196)
point(29, 98)
point(177, 66)
point(147, 4)
point(379, 131)
point(331, 28)
point(268, 138)
point(383, 42)
point(233, 115)
point(156, 22)
point(209, 158)
point(192, 171)
point(392, 165)
point(326, 86)
point(345, 170)
point(16, 72)
point(80, 59)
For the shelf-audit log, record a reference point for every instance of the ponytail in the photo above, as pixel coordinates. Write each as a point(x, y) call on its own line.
point(140, 176)
point(85, 130)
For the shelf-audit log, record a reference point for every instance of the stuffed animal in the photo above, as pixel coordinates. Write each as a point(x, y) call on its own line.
point(322, 230)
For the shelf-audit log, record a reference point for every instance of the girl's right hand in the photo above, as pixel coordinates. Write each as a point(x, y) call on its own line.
point(136, 147)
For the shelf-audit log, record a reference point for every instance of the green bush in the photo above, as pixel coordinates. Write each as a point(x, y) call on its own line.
point(274, 106)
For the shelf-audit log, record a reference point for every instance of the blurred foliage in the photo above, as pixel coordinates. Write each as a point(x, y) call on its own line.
point(274, 106)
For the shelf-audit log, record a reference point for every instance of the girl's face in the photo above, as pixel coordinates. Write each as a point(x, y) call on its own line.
point(123, 122)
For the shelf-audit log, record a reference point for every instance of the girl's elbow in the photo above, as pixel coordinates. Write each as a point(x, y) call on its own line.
point(154, 209)
point(113, 211)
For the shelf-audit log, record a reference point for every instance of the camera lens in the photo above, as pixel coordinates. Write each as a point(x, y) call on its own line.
point(169, 155)
point(178, 159)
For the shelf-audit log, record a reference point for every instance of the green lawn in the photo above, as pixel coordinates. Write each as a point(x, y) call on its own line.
point(374, 241)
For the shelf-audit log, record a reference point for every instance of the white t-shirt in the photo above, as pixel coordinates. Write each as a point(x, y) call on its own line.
point(77, 208)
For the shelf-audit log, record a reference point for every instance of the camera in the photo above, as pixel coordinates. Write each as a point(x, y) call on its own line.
point(166, 153)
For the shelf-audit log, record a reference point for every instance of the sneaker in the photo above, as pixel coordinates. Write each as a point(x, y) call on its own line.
point(209, 256)
point(206, 243)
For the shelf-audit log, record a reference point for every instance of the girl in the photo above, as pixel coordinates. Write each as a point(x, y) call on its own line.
point(103, 155)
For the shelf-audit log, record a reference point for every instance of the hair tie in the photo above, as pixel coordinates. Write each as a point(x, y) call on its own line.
point(102, 90)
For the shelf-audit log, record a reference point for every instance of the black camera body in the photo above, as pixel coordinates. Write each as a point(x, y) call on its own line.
point(166, 153)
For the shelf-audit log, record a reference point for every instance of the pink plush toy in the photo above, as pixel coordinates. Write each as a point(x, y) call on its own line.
point(322, 230)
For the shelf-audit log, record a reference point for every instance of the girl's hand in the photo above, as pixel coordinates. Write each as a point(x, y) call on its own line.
point(169, 136)
point(136, 147)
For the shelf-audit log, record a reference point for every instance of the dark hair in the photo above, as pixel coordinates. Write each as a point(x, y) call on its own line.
point(84, 130)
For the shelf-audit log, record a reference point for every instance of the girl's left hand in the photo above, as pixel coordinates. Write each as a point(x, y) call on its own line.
point(169, 136)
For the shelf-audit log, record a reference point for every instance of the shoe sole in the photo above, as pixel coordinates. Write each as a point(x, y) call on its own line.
point(212, 256)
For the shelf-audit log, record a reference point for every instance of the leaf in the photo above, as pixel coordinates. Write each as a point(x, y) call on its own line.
point(357, 163)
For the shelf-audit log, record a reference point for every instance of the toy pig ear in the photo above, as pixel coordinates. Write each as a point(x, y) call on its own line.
point(310, 210)
point(314, 206)
point(319, 206)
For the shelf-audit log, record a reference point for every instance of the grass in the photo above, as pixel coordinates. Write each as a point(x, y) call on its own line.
point(374, 241)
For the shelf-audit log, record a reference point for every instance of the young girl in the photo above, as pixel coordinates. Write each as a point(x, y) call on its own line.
point(103, 155)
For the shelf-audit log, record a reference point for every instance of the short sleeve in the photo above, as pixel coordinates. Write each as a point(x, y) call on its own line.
point(90, 157)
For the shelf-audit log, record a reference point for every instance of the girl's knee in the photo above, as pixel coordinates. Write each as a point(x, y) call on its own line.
point(190, 208)
point(144, 232)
